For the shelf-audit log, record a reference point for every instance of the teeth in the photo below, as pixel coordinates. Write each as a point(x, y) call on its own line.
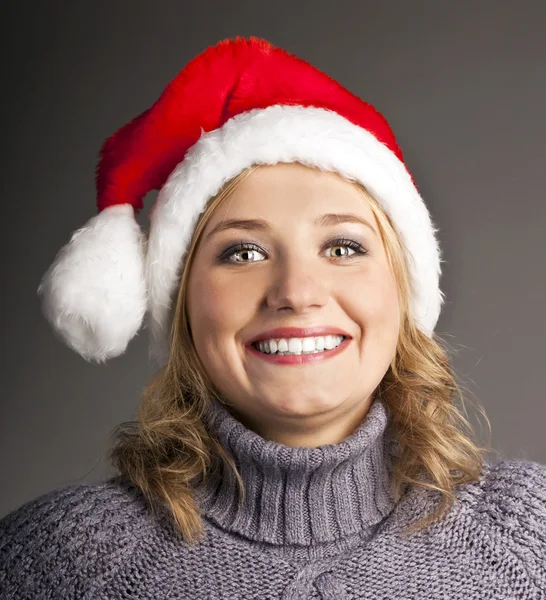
point(295, 345)
point(307, 345)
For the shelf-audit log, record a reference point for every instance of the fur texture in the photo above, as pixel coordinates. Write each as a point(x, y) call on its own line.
point(94, 293)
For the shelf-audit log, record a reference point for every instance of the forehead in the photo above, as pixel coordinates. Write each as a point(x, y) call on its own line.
point(293, 188)
point(286, 196)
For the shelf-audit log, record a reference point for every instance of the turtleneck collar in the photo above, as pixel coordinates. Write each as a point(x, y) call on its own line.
point(300, 496)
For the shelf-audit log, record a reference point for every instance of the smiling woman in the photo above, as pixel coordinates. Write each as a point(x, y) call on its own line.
point(301, 437)
point(290, 278)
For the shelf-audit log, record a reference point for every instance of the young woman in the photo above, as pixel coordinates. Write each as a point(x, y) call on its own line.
point(300, 438)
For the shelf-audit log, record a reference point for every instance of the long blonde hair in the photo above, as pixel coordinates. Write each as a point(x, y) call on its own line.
point(168, 450)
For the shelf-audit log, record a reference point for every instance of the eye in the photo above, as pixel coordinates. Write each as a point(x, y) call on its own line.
point(345, 243)
point(243, 248)
point(248, 249)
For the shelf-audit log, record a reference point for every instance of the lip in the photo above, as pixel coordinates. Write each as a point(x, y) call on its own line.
point(297, 332)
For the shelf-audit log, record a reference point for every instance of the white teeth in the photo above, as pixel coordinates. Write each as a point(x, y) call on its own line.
point(307, 345)
point(295, 345)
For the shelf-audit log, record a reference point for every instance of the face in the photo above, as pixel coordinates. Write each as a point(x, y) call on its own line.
point(293, 272)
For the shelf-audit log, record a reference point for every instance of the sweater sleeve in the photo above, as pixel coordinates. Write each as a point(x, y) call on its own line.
point(65, 543)
point(517, 502)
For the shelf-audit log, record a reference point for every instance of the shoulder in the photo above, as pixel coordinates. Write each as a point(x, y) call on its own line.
point(61, 543)
point(510, 501)
point(520, 481)
point(513, 493)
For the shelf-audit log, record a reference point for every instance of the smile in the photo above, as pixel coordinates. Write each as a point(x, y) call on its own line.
point(300, 358)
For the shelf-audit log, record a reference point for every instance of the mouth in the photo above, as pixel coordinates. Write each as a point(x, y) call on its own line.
point(337, 345)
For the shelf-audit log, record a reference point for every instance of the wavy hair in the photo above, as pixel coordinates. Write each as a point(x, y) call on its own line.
point(168, 450)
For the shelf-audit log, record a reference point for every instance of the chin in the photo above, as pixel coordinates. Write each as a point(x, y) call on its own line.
point(303, 407)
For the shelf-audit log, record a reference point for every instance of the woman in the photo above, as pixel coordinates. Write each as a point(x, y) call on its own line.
point(300, 439)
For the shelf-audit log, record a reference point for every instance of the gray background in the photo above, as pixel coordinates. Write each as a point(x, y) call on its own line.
point(463, 85)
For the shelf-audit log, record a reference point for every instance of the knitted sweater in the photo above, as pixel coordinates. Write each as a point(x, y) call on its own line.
point(316, 523)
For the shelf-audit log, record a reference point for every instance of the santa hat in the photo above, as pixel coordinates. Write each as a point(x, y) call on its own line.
point(239, 103)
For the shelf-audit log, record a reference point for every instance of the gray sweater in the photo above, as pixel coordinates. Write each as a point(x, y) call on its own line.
point(316, 523)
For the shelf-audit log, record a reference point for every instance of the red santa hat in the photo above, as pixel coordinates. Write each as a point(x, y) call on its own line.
point(239, 103)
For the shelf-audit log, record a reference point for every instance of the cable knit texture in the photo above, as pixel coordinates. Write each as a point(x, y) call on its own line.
point(315, 523)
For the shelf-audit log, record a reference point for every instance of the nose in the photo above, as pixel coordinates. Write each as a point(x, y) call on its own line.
point(297, 285)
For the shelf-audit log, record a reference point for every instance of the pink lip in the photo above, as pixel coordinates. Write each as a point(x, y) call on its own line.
point(297, 332)
point(298, 359)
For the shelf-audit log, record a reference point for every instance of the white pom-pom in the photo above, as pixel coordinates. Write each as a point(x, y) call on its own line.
point(94, 293)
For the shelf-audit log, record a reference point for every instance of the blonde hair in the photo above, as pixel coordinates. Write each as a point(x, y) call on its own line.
point(168, 450)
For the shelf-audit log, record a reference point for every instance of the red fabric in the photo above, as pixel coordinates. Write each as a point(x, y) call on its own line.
point(232, 77)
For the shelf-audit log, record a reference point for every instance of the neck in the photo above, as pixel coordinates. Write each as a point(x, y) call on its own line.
point(299, 497)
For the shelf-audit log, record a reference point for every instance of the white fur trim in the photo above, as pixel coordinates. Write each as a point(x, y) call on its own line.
point(315, 137)
point(94, 293)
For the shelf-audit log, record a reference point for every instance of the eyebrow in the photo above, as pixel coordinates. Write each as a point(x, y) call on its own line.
point(325, 220)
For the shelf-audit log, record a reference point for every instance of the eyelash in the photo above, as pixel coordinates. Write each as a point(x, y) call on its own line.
point(225, 256)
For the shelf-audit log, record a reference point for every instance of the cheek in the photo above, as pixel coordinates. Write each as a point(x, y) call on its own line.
point(374, 296)
point(216, 306)
point(206, 304)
